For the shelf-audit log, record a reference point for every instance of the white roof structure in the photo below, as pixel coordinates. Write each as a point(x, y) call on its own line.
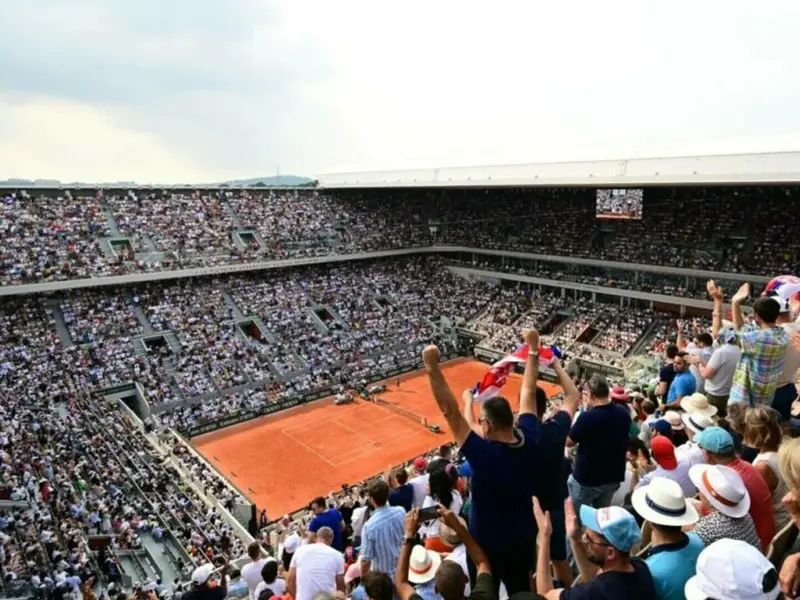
point(759, 167)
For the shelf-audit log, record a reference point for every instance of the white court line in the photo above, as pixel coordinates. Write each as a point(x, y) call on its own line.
point(374, 448)
point(310, 449)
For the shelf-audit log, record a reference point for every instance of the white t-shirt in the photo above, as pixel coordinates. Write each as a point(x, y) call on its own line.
point(420, 485)
point(459, 556)
point(251, 574)
point(317, 566)
point(357, 519)
point(791, 360)
point(705, 355)
point(278, 587)
point(431, 528)
point(724, 360)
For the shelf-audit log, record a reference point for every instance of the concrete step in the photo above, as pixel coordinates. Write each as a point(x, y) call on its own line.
point(61, 324)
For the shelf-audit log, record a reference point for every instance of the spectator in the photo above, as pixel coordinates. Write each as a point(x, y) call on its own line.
point(441, 492)
point(602, 555)
point(316, 567)
point(601, 435)
point(326, 517)
point(690, 452)
point(237, 587)
point(668, 467)
point(725, 506)
point(786, 391)
point(763, 432)
point(732, 570)
point(382, 534)
point(734, 424)
point(719, 370)
point(403, 494)
point(441, 460)
point(251, 572)
point(667, 372)
point(717, 445)
point(503, 462)
point(201, 590)
point(551, 482)
point(683, 384)
point(419, 481)
point(270, 580)
point(789, 457)
point(763, 348)
point(672, 555)
point(378, 586)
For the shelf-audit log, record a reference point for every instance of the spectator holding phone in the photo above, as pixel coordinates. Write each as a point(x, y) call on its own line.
point(504, 461)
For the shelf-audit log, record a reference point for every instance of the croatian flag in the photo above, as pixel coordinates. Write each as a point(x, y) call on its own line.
point(495, 377)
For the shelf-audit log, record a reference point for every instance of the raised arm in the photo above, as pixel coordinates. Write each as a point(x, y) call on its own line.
point(736, 305)
point(474, 550)
point(444, 395)
point(716, 313)
point(572, 396)
point(527, 394)
point(404, 589)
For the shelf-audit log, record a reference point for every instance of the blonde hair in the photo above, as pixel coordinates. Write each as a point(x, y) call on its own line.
point(761, 428)
point(789, 461)
point(736, 412)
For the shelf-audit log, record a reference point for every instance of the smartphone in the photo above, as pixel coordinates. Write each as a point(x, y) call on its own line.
point(429, 514)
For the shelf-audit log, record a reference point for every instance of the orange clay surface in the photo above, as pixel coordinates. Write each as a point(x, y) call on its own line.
point(282, 461)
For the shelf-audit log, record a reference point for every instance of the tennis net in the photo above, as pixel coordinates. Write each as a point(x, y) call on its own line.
point(400, 411)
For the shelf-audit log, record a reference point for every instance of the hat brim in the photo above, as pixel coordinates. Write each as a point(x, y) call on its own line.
point(708, 411)
point(430, 572)
point(685, 418)
point(737, 512)
point(692, 589)
point(639, 501)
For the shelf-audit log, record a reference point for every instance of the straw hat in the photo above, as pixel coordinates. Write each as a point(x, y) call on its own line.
point(674, 419)
point(423, 565)
point(723, 488)
point(662, 503)
point(697, 403)
point(697, 422)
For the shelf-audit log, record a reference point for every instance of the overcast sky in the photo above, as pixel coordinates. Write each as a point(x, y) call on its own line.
point(206, 90)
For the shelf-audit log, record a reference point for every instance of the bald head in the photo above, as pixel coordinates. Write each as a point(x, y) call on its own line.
point(325, 535)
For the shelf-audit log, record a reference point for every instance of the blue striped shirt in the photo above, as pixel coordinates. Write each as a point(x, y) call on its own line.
point(382, 538)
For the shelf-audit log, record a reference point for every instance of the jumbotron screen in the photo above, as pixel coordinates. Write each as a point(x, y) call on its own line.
point(619, 203)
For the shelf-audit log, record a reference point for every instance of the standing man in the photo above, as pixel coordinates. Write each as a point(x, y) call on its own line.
point(326, 517)
point(601, 434)
point(763, 349)
point(504, 461)
point(382, 535)
point(315, 568)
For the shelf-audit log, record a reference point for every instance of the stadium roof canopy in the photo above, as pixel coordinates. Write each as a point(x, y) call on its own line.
point(762, 167)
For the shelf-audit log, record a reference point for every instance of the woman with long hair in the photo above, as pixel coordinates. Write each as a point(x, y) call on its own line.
point(441, 490)
point(763, 432)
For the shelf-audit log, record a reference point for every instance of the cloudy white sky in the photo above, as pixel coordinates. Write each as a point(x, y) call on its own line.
point(205, 90)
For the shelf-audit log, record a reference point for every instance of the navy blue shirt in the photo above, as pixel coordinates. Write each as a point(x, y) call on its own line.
point(551, 470)
point(330, 518)
point(615, 585)
point(602, 436)
point(502, 486)
point(402, 496)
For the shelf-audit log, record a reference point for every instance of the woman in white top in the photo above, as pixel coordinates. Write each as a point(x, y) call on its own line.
point(441, 490)
point(763, 432)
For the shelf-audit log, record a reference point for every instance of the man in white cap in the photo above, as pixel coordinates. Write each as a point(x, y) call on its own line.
point(690, 452)
point(733, 570)
point(201, 590)
point(673, 554)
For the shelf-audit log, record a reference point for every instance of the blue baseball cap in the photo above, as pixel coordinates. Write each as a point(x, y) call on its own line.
point(614, 523)
point(715, 439)
point(661, 426)
point(464, 470)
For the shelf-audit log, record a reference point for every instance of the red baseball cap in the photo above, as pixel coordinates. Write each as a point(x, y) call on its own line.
point(420, 464)
point(664, 452)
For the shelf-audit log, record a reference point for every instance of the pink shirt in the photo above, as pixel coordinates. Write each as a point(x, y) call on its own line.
point(760, 500)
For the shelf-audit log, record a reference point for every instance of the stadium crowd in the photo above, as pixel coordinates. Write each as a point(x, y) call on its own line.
point(642, 491)
point(54, 235)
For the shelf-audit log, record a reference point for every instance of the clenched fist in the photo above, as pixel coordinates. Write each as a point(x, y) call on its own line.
point(431, 356)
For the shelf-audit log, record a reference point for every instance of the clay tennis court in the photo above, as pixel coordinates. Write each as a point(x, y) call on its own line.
point(282, 461)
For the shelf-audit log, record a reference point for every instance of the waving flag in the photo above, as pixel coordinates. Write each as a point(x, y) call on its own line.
point(495, 377)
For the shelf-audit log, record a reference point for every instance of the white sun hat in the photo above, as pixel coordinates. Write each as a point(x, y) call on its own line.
point(698, 403)
point(723, 487)
point(422, 565)
point(662, 503)
point(733, 570)
point(674, 419)
point(697, 422)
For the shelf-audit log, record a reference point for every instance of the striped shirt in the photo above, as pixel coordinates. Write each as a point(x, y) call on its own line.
point(760, 365)
point(382, 537)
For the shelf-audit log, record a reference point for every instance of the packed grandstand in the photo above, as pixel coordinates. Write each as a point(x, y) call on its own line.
point(105, 381)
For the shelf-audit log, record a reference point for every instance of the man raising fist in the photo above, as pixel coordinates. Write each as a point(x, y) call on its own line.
point(503, 460)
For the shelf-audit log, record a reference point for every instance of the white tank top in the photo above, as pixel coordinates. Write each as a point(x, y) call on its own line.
point(791, 360)
point(781, 512)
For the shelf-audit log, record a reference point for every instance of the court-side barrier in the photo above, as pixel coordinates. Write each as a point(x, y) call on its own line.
point(248, 415)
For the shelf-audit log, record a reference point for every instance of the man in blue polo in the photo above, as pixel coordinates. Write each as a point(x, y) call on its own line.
point(684, 383)
point(326, 517)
